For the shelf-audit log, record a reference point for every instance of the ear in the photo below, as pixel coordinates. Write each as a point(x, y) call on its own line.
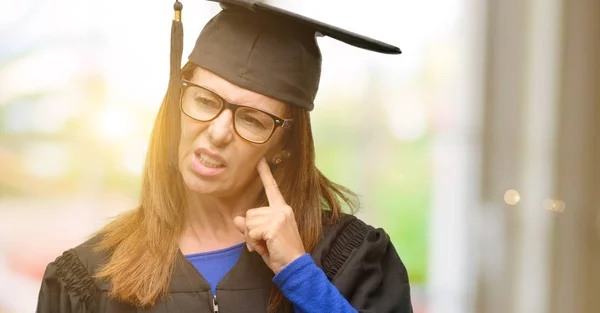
point(277, 153)
point(277, 157)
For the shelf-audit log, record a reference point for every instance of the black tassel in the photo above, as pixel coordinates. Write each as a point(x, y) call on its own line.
point(176, 52)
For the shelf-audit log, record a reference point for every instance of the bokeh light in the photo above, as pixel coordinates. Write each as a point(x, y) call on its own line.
point(554, 205)
point(512, 197)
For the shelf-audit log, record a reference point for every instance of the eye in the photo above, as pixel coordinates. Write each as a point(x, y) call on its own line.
point(252, 121)
point(207, 102)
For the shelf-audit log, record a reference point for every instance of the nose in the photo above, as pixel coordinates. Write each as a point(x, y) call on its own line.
point(220, 130)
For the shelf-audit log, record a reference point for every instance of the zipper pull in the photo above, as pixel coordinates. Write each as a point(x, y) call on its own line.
point(215, 304)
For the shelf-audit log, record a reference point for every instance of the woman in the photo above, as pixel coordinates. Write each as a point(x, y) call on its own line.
point(234, 215)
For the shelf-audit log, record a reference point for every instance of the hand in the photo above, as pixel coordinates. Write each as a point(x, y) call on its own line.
point(271, 231)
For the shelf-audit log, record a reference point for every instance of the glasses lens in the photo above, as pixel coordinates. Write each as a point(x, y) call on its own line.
point(253, 125)
point(200, 104)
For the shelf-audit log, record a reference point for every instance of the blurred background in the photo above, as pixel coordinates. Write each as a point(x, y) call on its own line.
point(477, 149)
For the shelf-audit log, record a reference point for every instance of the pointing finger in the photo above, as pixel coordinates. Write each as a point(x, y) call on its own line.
point(271, 189)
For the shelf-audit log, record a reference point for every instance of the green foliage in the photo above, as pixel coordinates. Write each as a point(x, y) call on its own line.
point(402, 199)
point(394, 176)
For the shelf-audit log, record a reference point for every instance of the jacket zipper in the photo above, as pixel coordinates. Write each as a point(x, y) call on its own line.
point(215, 304)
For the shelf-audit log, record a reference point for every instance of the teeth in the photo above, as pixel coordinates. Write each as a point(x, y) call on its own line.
point(208, 161)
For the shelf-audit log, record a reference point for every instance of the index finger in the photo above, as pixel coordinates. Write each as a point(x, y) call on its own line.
point(271, 189)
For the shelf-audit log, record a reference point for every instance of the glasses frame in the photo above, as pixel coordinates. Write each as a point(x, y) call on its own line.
point(279, 122)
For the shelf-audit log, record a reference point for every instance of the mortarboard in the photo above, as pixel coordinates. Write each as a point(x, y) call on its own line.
point(265, 49)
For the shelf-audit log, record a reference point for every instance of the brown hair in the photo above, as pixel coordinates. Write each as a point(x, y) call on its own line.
point(143, 243)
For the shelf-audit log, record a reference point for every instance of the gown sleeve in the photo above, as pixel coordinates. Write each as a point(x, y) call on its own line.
point(363, 264)
point(67, 287)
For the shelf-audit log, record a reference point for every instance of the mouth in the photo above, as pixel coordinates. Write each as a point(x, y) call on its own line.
point(209, 162)
point(209, 159)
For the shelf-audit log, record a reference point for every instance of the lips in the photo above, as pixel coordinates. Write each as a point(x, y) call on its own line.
point(210, 159)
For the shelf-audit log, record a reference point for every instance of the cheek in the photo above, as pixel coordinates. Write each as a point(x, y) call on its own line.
point(246, 158)
point(248, 155)
point(190, 130)
point(276, 144)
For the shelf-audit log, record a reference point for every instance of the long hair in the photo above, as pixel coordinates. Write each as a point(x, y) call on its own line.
point(142, 244)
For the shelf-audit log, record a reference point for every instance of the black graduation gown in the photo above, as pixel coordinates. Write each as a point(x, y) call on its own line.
point(357, 258)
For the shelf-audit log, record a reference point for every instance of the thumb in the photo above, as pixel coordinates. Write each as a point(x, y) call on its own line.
point(240, 224)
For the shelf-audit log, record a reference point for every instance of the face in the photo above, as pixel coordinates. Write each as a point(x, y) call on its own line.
point(213, 158)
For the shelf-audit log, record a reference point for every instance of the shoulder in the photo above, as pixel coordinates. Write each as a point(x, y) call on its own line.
point(350, 231)
point(343, 225)
point(344, 233)
point(71, 274)
point(89, 256)
point(349, 239)
point(83, 258)
point(362, 263)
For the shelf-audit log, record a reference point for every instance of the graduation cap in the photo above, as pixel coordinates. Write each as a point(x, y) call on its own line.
point(265, 49)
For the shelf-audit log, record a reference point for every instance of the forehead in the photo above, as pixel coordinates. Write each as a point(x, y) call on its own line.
point(236, 94)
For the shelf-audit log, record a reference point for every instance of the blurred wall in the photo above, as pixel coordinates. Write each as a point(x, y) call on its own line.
point(539, 251)
point(575, 259)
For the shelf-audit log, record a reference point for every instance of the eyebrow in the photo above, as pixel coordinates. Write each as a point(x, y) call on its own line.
point(235, 102)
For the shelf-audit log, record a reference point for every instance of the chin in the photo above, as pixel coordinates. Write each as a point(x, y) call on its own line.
point(206, 187)
point(196, 183)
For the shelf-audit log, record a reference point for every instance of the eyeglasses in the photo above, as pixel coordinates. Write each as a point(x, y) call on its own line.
point(253, 125)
